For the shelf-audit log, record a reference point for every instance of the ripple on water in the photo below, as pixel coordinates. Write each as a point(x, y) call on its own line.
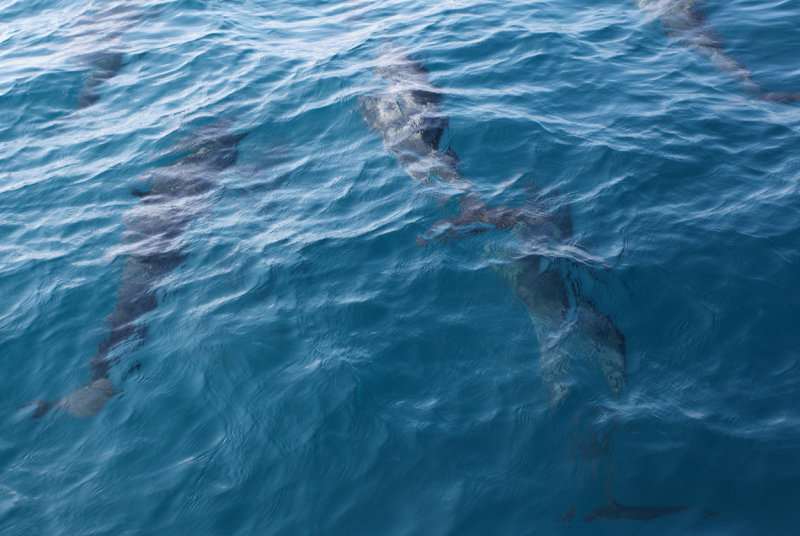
point(309, 367)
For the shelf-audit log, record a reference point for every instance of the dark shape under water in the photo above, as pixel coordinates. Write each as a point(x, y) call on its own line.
point(686, 22)
point(569, 515)
point(104, 66)
point(103, 28)
point(408, 116)
point(614, 510)
point(152, 233)
point(569, 328)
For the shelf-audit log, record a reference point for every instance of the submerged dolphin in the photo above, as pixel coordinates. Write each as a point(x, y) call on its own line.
point(152, 234)
point(407, 115)
point(685, 21)
point(569, 328)
point(612, 510)
point(104, 66)
point(105, 26)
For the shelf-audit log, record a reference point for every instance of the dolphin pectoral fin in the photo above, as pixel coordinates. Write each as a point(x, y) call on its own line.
point(452, 231)
point(474, 220)
point(133, 368)
point(505, 217)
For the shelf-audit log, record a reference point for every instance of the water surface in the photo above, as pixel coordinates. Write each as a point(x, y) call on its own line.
point(310, 369)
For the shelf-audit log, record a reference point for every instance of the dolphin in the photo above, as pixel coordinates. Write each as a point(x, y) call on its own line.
point(152, 235)
point(106, 26)
point(686, 23)
point(612, 510)
point(407, 114)
point(104, 66)
point(569, 327)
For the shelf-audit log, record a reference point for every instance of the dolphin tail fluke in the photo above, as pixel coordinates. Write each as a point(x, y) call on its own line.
point(42, 407)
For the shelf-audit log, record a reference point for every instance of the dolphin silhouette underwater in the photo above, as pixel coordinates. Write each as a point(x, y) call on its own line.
point(612, 510)
point(106, 26)
point(152, 234)
point(406, 113)
point(571, 331)
point(105, 65)
point(686, 23)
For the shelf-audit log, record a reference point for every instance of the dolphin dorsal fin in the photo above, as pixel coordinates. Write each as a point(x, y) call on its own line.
point(140, 193)
point(450, 153)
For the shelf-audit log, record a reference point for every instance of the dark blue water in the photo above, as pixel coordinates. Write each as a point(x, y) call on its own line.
point(284, 356)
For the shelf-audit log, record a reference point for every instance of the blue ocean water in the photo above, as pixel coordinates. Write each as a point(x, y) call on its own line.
point(307, 367)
